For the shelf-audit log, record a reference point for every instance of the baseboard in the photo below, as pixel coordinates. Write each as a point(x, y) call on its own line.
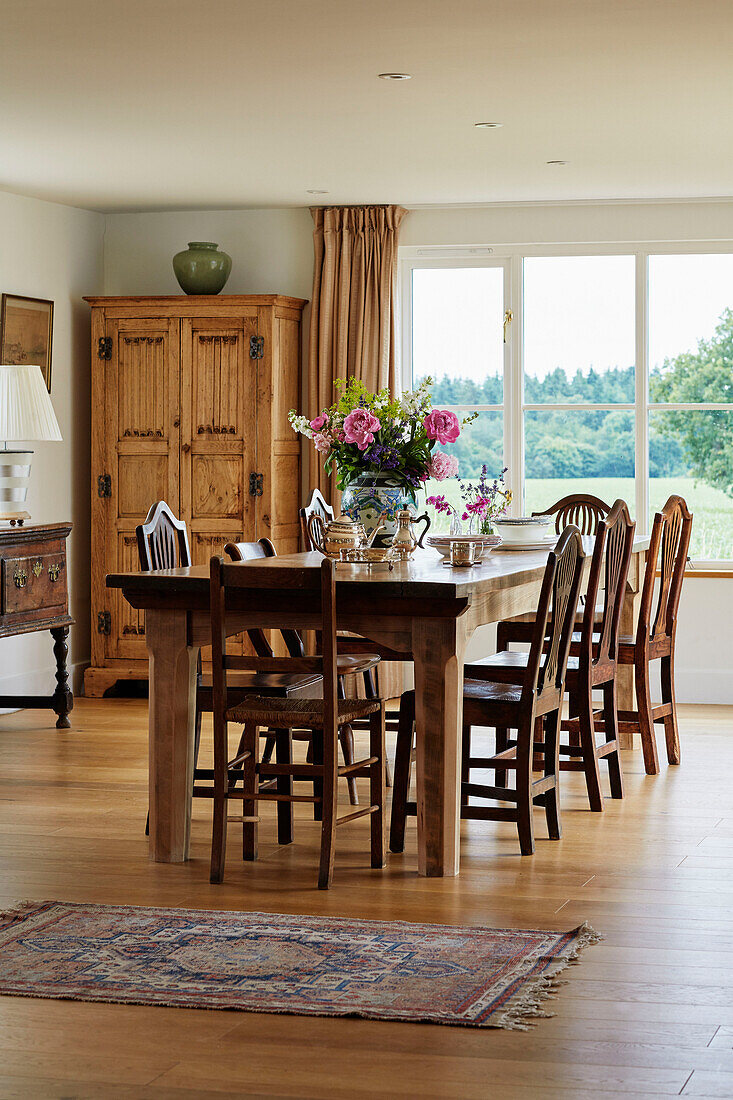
point(40, 681)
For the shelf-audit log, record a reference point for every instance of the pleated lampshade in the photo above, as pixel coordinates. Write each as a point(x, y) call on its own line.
point(26, 411)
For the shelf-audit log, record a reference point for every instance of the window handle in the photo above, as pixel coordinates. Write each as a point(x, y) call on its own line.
point(508, 318)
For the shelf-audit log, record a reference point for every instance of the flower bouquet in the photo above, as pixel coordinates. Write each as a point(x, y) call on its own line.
point(382, 448)
point(483, 501)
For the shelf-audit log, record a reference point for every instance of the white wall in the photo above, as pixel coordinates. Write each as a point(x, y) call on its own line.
point(52, 251)
point(272, 251)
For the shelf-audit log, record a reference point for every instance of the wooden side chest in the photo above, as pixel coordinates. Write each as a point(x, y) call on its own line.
point(34, 595)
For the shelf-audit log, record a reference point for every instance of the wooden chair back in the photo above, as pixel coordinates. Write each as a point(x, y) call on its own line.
point(252, 551)
point(581, 509)
point(316, 590)
point(162, 540)
point(609, 567)
point(667, 554)
point(557, 606)
point(317, 506)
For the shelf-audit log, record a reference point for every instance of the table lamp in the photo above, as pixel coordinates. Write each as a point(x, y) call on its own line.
point(26, 413)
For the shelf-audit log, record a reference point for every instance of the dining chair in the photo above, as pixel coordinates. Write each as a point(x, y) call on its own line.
point(348, 664)
point(162, 541)
point(583, 510)
point(314, 593)
point(532, 695)
point(656, 632)
point(593, 661)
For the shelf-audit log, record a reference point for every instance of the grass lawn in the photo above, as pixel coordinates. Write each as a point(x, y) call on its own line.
point(712, 527)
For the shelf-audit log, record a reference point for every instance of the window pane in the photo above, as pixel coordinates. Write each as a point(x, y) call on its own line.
point(579, 342)
point(578, 452)
point(691, 328)
point(480, 443)
point(457, 333)
point(691, 453)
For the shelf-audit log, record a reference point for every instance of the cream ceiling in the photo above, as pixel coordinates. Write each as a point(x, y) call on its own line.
point(165, 104)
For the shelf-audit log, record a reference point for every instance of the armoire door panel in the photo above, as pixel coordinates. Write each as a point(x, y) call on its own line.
point(142, 442)
point(217, 487)
point(218, 425)
point(142, 479)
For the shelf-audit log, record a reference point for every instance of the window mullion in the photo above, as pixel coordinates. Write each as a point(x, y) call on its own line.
point(641, 374)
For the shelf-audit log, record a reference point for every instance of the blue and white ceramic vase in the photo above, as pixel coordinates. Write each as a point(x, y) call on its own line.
point(369, 495)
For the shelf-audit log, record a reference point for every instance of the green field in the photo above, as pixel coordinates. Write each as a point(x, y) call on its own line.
point(712, 528)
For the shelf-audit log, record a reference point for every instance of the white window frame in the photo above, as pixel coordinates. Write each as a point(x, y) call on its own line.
point(511, 258)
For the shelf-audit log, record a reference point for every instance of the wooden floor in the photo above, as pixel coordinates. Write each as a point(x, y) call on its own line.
point(649, 1012)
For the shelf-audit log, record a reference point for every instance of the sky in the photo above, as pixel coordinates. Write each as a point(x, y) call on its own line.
point(579, 312)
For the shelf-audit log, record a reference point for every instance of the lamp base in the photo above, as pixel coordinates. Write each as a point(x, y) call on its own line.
point(15, 519)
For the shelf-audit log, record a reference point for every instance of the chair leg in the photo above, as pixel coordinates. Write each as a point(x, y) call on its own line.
point(329, 808)
point(538, 762)
point(249, 806)
point(377, 787)
point(346, 737)
point(552, 767)
point(671, 731)
point(525, 828)
point(317, 758)
point(371, 692)
point(588, 745)
point(284, 785)
point(402, 767)
point(219, 818)
point(268, 750)
point(502, 737)
point(646, 723)
point(610, 725)
point(465, 762)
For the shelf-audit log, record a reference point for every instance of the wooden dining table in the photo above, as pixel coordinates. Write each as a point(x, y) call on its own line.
point(421, 607)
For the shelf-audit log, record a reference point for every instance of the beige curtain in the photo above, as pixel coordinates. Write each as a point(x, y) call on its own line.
point(352, 331)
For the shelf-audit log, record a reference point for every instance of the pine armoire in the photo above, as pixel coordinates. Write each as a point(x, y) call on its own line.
point(190, 398)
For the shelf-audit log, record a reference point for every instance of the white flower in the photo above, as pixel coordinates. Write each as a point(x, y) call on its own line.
point(300, 424)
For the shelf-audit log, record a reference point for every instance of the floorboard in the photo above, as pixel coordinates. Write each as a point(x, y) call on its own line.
point(648, 1013)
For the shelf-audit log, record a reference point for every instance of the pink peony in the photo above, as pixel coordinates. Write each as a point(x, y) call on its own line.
point(319, 422)
point(359, 427)
point(442, 425)
point(322, 443)
point(442, 466)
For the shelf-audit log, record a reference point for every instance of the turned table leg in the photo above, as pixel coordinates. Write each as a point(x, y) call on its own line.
point(438, 647)
point(172, 720)
point(62, 700)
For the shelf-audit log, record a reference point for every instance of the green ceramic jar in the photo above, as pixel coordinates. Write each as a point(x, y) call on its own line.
point(202, 269)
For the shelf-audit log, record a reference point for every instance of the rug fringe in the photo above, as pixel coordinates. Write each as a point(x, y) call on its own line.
point(525, 1009)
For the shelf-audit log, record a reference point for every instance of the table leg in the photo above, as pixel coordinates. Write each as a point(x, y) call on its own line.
point(62, 700)
point(627, 628)
point(171, 721)
point(438, 647)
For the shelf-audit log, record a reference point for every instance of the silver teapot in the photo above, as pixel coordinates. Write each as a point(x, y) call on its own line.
point(405, 542)
point(333, 536)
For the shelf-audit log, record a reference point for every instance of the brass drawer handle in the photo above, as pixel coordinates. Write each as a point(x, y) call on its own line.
point(37, 569)
point(21, 578)
point(53, 572)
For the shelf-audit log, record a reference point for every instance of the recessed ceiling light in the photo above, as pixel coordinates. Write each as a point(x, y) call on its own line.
point(558, 162)
point(315, 191)
point(488, 125)
point(394, 76)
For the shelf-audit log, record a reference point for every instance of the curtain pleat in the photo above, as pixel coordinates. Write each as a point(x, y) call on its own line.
point(353, 330)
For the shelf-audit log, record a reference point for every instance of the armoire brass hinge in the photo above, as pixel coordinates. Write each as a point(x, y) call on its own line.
point(104, 347)
point(104, 485)
point(256, 488)
point(104, 622)
point(256, 347)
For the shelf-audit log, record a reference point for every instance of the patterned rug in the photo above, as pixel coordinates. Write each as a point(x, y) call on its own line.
point(270, 962)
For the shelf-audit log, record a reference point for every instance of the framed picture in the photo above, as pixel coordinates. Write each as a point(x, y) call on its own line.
point(26, 332)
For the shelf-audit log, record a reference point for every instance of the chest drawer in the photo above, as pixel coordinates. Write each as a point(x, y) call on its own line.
point(33, 583)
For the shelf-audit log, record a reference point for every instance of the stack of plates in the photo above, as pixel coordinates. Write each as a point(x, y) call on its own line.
point(442, 543)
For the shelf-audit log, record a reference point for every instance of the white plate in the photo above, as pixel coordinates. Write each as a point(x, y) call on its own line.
point(541, 544)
